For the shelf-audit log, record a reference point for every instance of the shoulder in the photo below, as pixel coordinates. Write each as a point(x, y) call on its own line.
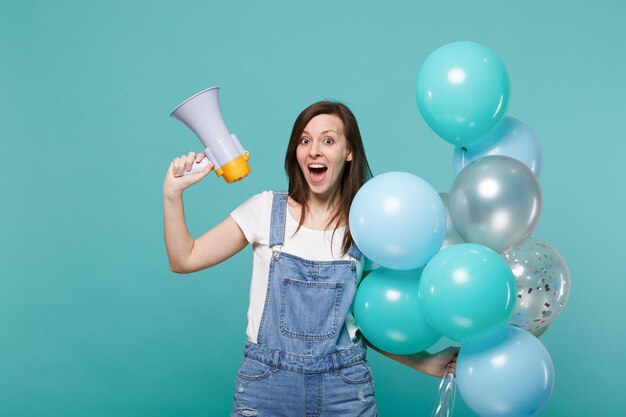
point(252, 215)
point(269, 197)
point(259, 204)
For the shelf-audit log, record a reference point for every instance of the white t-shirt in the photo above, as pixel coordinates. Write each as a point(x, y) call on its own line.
point(254, 217)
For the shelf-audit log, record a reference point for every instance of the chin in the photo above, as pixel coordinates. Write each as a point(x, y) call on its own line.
point(320, 190)
point(317, 189)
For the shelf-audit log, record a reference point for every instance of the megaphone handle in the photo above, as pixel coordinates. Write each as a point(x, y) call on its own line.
point(197, 167)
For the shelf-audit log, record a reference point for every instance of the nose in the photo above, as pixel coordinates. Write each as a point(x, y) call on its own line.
point(314, 150)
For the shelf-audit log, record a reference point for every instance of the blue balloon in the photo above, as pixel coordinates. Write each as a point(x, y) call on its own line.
point(467, 292)
point(398, 220)
point(462, 92)
point(387, 312)
point(510, 374)
point(510, 138)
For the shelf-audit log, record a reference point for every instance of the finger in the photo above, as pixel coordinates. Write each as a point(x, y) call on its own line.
point(181, 165)
point(201, 174)
point(176, 169)
point(200, 156)
point(170, 170)
point(207, 169)
point(190, 159)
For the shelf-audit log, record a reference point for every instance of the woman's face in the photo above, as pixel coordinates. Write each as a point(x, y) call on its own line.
point(322, 154)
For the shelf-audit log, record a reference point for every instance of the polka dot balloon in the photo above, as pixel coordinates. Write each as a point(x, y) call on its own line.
point(543, 284)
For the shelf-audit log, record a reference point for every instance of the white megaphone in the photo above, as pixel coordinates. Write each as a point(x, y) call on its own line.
point(201, 113)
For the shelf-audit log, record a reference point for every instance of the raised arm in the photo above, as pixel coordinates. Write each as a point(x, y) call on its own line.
point(186, 254)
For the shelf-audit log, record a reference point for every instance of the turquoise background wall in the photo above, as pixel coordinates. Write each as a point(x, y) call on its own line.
point(92, 322)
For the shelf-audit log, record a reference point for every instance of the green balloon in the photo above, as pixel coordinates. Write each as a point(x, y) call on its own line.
point(467, 292)
point(387, 312)
point(462, 92)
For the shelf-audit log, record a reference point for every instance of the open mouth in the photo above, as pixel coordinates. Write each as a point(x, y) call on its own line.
point(317, 172)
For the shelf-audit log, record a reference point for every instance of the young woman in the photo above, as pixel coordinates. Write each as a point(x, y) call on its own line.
point(304, 356)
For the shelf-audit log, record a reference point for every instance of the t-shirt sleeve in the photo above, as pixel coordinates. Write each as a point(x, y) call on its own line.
point(252, 214)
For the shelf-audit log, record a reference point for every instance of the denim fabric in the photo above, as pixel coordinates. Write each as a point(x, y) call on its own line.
point(304, 363)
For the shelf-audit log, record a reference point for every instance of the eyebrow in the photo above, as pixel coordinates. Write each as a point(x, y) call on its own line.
point(325, 131)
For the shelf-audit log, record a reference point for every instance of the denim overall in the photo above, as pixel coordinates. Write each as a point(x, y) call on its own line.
point(304, 363)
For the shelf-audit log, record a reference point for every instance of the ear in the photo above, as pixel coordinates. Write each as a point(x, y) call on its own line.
point(349, 157)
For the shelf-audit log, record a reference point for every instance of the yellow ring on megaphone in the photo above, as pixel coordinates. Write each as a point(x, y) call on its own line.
point(236, 169)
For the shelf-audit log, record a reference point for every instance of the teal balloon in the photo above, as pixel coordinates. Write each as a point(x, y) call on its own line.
point(463, 92)
point(467, 292)
point(387, 312)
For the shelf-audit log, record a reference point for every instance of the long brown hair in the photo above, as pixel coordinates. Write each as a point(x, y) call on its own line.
point(354, 175)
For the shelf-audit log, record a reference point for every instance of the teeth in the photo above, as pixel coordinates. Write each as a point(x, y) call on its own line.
point(317, 166)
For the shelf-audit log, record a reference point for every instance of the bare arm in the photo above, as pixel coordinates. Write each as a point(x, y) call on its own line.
point(434, 365)
point(186, 254)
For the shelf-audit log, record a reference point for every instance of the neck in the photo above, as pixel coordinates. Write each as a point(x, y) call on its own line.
point(326, 203)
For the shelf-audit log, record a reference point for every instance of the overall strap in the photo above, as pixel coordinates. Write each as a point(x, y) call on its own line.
point(355, 252)
point(277, 225)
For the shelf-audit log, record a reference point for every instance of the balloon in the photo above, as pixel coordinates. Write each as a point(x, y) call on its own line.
point(462, 92)
point(467, 292)
point(398, 220)
point(452, 237)
point(495, 201)
point(543, 284)
point(509, 374)
point(442, 344)
point(510, 138)
point(387, 312)
point(539, 332)
point(369, 265)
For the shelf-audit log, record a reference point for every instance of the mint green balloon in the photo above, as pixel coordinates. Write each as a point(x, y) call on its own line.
point(387, 312)
point(467, 292)
point(462, 92)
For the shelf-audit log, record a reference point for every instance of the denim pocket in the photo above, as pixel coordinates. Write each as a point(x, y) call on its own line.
point(356, 374)
point(253, 370)
point(309, 309)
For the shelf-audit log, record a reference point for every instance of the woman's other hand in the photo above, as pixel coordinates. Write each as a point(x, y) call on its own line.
point(437, 363)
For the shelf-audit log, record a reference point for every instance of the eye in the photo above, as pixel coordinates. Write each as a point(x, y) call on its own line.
point(304, 141)
point(329, 141)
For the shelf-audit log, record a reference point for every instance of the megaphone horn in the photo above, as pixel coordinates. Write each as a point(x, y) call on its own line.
point(201, 113)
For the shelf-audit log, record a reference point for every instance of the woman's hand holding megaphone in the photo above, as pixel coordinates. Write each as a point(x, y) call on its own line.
point(180, 176)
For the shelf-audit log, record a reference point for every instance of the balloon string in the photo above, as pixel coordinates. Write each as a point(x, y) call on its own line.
point(446, 396)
